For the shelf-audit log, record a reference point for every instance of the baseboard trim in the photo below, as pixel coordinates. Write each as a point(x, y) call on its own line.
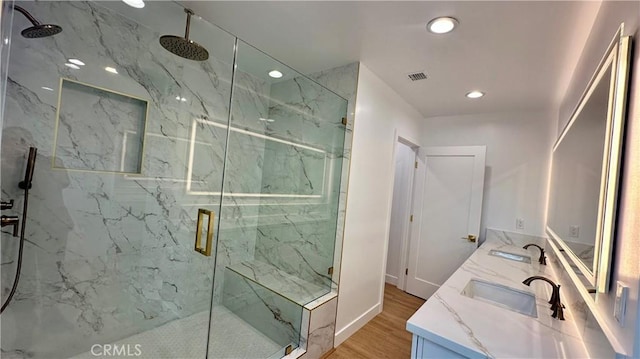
point(388, 278)
point(354, 326)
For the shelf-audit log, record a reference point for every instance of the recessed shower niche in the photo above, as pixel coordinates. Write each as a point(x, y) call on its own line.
point(98, 129)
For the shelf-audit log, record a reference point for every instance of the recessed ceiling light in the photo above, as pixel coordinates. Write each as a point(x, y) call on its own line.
point(475, 94)
point(442, 25)
point(75, 67)
point(138, 4)
point(275, 74)
point(111, 69)
point(47, 88)
point(76, 62)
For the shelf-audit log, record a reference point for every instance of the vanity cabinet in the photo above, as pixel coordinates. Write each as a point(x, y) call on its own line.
point(423, 348)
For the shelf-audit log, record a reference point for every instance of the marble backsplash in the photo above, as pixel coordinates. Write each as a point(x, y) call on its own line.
point(111, 255)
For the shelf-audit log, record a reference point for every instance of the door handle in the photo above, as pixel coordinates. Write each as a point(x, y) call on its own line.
point(206, 250)
point(470, 238)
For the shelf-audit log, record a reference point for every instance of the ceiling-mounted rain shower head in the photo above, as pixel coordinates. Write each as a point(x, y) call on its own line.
point(182, 46)
point(38, 30)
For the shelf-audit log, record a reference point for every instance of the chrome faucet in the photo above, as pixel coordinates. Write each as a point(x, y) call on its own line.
point(10, 221)
point(542, 259)
point(556, 304)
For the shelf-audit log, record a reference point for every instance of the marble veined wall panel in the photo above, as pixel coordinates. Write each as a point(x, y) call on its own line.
point(259, 306)
point(299, 235)
point(111, 255)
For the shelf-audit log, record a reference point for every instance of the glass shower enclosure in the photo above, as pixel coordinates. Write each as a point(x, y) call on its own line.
point(179, 208)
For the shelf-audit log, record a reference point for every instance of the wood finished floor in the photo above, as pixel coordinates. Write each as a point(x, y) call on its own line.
point(385, 335)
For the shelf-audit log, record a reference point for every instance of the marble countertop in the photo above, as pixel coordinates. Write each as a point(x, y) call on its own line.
point(477, 329)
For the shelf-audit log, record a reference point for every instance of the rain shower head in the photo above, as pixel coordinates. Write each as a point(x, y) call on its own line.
point(38, 30)
point(182, 46)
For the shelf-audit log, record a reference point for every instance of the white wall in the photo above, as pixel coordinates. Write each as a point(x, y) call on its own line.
point(517, 163)
point(379, 112)
point(626, 265)
point(404, 170)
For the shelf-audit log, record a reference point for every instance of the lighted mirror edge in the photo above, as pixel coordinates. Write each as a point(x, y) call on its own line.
point(617, 56)
point(615, 155)
point(589, 86)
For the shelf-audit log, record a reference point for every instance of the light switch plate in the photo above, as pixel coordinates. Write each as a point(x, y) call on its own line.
point(620, 307)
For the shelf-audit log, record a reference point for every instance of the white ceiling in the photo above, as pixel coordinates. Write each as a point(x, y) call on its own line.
point(521, 53)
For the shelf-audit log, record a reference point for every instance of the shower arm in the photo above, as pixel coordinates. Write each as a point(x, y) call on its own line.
point(186, 30)
point(27, 15)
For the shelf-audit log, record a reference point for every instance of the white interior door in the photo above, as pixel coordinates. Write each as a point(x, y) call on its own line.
point(448, 206)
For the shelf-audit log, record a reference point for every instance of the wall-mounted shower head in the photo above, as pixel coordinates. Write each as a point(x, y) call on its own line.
point(182, 46)
point(37, 30)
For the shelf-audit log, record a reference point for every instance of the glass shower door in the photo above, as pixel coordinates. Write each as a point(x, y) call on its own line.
point(279, 207)
point(131, 144)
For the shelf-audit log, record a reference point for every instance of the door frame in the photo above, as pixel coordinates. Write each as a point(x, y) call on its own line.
point(400, 137)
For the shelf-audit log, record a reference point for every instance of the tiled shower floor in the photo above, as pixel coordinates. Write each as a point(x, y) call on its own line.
point(231, 337)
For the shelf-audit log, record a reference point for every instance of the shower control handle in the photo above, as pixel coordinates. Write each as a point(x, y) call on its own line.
point(6, 205)
point(10, 221)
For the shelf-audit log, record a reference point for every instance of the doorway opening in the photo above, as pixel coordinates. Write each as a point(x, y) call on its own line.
point(406, 154)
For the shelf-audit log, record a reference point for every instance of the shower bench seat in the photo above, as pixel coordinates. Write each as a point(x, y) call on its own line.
point(284, 284)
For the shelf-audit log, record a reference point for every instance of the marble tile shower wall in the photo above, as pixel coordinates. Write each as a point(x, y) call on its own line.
point(110, 255)
point(310, 249)
point(297, 235)
point(343, 81)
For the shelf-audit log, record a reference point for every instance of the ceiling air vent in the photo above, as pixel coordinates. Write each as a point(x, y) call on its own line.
point(416, 76)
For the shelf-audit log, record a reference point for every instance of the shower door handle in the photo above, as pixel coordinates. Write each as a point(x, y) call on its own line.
point(206, 250)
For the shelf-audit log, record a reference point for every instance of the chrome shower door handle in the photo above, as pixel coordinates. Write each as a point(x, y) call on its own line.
point(206, 250)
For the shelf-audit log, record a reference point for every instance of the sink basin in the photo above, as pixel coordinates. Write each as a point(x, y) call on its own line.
point(510, 256)
point(513, 299)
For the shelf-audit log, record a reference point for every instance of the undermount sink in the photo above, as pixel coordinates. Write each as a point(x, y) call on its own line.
point(510, 256)
point(513, 299)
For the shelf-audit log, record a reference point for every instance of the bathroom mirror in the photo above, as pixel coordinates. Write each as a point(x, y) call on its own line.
point(585, 171)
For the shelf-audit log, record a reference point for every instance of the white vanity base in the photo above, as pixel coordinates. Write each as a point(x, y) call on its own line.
point(423, 348)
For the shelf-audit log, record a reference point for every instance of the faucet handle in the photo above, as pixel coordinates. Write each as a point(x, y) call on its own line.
point(557, 306)
point(6, 205)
